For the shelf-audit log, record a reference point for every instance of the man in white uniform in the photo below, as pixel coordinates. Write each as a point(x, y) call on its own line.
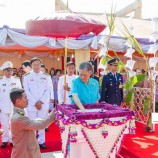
point(26, 66)
point(43, 69)
point(7, 83)
point(36, 85)
point(70, 68)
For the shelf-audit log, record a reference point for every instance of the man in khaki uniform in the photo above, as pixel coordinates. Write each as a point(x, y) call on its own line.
point(25, 144)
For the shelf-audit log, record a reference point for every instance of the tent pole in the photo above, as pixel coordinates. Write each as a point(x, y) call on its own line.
point(154, 93)
point(65, 61)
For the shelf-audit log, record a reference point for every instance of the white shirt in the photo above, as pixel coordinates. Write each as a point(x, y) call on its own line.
point(69, 80)
point(37, 88)
point(51, 88)
point(6, 85)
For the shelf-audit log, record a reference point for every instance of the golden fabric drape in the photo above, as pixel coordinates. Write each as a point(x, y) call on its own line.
point(81, 55)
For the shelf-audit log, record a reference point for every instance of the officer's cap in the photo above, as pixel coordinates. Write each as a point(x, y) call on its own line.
point(113, 62)
point(6, 65)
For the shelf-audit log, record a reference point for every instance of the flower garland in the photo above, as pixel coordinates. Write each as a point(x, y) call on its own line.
point(73, 134)
point(67, 144)
point(132, 127)
point(89, 143)
point(72, 119)
point(93, 126)
point(104, 133)
point(119, 141)
point(73, 137)
point(61, 127)
point(104, 110)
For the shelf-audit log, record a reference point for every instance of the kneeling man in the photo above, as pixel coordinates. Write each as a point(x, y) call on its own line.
point(25, 144)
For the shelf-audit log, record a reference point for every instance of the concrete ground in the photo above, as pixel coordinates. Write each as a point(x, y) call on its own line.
point(52, 155)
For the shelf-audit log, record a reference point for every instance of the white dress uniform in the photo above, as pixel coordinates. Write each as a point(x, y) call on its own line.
point(6, 85)
point(51, 93)
point(69, 80)
point(0, 108)
point(37, 88)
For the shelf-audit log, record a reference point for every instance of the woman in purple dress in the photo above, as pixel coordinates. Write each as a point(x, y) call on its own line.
point(156, 93)
point(52, 72)
point(55, 80)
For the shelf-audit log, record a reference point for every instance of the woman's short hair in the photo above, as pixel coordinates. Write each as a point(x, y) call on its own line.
point(86, 66)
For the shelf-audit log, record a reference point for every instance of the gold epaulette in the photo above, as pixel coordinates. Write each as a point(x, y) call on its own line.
point(16, 77)
point(46, 74)
point(26, 73)
point(21, 113)
point(1, 77)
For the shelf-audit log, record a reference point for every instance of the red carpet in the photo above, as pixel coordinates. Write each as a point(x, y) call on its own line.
point(53, 142)
point(142, 145)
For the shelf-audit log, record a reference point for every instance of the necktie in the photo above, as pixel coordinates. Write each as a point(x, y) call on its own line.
point(115, 77)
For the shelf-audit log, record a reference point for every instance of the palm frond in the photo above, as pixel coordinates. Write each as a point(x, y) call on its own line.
point(132, 40)
point(111, 19)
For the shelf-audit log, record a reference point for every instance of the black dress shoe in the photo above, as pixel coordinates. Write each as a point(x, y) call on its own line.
point(46, 129)
point(37, 136)
point(149, 129)
point(4, 145)
point(43, 146)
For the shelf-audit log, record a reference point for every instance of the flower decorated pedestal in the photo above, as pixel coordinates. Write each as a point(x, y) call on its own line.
point(96, 133)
